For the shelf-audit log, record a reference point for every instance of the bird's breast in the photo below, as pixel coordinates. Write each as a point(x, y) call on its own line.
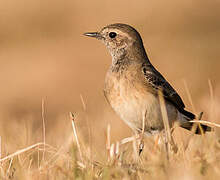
point(131, 100)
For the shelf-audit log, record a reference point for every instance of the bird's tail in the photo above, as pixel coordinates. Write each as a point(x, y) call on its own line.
point(188, 116)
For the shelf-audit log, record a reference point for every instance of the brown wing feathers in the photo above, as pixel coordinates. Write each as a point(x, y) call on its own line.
point(158, 82)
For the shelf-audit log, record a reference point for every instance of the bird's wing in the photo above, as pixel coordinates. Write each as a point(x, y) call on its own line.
point(158, 82)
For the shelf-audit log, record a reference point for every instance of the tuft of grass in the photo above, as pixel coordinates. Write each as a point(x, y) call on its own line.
point(199, 160)
point(194, 157)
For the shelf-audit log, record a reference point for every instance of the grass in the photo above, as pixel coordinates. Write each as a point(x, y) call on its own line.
point(195, 157)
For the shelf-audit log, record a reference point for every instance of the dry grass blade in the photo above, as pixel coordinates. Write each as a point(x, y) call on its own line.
point(83, 102)
point(135, 150)
point(211, 108)
point(0, 147)
point(112, 151)
point(127, 140)
point(75, 136)
point(21, 151)
point(165, 121)
point(43, 125)
point(10, 164)
point(208, 123)
point(193, 107)
point(189, 95)
point(108, 141)
point(89, 126)
point(211, 90)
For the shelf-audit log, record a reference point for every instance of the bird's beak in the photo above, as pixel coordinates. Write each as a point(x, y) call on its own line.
point(93, 34)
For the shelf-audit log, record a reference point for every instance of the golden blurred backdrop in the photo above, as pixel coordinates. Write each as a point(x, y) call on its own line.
point(43, 55)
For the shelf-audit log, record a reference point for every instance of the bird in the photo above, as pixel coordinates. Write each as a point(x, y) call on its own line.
point(132, 84)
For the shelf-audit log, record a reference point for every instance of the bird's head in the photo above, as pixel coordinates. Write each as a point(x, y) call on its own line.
point(120, 39)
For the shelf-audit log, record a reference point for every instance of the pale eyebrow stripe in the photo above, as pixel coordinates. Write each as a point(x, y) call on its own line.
point(121, 33)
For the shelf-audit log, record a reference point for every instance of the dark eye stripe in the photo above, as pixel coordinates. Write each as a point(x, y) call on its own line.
point(112, 34)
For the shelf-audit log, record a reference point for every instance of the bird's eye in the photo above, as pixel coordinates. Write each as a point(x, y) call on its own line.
point(112, 34)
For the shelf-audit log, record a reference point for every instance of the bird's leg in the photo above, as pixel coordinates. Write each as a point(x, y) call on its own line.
point(141, 144)
point(200, 115)
point(135, 138)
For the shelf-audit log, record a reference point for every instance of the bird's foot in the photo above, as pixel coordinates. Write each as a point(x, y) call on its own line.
point(141, 147)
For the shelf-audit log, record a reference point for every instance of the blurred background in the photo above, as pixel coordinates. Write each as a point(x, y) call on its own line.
point(43, 55)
